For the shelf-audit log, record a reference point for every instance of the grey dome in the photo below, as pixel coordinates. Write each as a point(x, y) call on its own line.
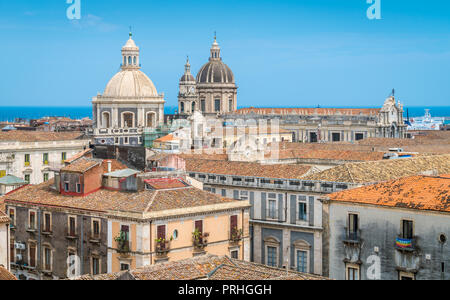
point(215, 71)
point(187, 78)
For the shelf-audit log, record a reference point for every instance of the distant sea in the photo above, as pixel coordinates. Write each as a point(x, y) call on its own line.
point(11, 113)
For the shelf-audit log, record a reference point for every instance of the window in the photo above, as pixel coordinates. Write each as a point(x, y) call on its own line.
point(126, 140)
point(406, 276)
point(128, 120)
point(63, 156)
point(27, 178)
point(224, 193)
point(359, 136)
point(95, 265)
point(12, 250)
point(151, 118)
point(272, 256)
point(124, 267)
point(66, 186)
point(72, 226)
point(12, 216)
point(45, 177)
point(302, 261)
point(95, 229)
point(182, 107)
point(352, 272)
point(47, 259)
point(47, 222)
point(407, 229)
point(302, 210)
point(233, 224)
point(230, 105)
point(32, 255)
point(161, 236)
point(2, 173)
point(45, 158)
point(203, 105)
point(217, 105)
point(78, 188)
point(353, 226)
point(235, 254)
point(193, 106)
point(125, 229)
point(27, 160)
point(336, 137)
point(32, 220)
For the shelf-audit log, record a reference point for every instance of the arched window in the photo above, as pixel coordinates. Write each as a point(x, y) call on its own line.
point(182, 107)
point(106, 120)
point(151, 119)
point(128, 120)
point(134, 60)
point(124, 60)
point(129, 60)
point(193, 106)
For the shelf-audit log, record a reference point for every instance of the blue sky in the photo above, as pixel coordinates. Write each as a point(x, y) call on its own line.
point(283, 53)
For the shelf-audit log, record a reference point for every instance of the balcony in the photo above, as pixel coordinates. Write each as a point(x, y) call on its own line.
point(352, 237)
point(123, 244)
point(162, 247)
point(406, 244)
point(236, 235)
point(199, 240)
point(272, 214)
point(95, 238)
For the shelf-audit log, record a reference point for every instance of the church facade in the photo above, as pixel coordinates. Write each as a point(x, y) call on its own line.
point(212, 92)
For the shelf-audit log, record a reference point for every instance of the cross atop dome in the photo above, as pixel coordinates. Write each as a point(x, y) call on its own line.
point(215, 49)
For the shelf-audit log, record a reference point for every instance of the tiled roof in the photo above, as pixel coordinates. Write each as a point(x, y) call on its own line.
point(208, 267)
point(165, 183)
point(4, 218)
point(108, 200)
point(79, 155)
point(115, 165)
point(35, 136)
point(167, 138)
point(81, 165)
point(344, 155)
point(415, 192)
point(378, 171)
point(309, 111)
point(251, 169)
point(5, 274)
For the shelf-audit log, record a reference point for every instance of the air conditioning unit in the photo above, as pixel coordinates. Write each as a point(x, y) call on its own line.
point(18, 257)
point(19, 246)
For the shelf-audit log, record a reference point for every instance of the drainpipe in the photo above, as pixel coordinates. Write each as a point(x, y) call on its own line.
point(243, 240)
point(8, 251)
point(38, 263)
point(151, 246)
point(82, 247)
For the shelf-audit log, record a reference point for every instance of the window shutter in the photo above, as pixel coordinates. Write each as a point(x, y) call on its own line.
point(233, 223)
point(199, 226)
point(162, 232)
point(236, 195)
point(263, 206)
point(311, 211)
point(280, 207)
point(293, 209)
point(252, 203)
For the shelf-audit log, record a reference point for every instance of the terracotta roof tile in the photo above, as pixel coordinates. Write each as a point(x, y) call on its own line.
point(208, 267)
point(81, 165)
point(285, 171)
point(415, 192)
point(35, 136)
point(378, 171)
point(108, 200)
point(4, 218)
point(165, 183)
point(6, 275)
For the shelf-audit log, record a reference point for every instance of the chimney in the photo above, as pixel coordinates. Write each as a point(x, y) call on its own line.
point(109, 166)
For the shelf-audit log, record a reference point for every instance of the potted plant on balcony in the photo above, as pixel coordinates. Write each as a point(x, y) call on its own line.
point(199, 239)
point(236, 235)
point(162, 246)
point(123, 244)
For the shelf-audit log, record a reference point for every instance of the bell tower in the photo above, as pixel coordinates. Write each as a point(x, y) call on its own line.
point(187, 96)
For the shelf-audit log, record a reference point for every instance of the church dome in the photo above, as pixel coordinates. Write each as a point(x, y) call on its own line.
point(130, 83)
point(215, 71)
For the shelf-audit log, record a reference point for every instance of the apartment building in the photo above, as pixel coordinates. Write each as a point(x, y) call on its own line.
point(99, 217)
point(392, 230)
point(32, 156)
point(4, 241)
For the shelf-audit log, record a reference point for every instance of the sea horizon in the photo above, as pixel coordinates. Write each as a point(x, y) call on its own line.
point(11, 113)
